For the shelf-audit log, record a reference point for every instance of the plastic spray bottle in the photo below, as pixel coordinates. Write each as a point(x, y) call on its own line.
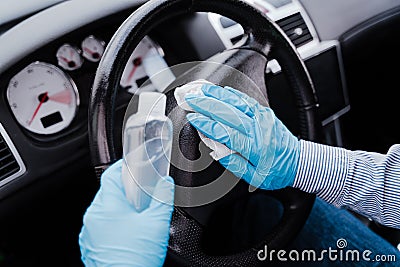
point(146, 149)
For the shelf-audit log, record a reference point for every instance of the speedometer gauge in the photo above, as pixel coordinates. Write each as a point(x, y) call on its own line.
point(43, 98)
point(145, 62)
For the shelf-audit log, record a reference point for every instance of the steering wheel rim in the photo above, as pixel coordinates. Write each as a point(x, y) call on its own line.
point(263, 34)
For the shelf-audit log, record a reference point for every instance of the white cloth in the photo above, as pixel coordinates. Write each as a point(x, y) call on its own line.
point(219, 150)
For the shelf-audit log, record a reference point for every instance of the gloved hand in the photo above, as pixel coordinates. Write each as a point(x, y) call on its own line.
point(269, 153)
point(115, 234)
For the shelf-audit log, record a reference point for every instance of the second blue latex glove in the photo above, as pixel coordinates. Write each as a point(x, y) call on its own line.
point(269, 152)
point(115, 234)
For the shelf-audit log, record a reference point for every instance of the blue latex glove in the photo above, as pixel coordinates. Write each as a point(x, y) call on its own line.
point(269, 153)
point(115, 234)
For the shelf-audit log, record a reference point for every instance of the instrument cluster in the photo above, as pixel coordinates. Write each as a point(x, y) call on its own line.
point(44, 97)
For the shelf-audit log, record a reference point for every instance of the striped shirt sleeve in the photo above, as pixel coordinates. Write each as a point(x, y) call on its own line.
point(368, 183)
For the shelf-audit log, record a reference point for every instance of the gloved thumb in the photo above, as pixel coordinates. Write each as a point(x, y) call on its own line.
point(163, 194)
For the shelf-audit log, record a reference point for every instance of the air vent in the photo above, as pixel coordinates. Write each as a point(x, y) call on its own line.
point(237, 39)
point(8, 163)
point(296, 29)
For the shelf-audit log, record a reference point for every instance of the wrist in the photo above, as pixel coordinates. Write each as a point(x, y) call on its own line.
point(284, 169)
point(294, 159)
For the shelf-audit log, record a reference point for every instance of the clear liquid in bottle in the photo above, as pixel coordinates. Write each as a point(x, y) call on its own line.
point(146, 149)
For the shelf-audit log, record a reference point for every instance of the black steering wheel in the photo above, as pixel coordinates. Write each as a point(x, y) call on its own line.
point(192, 227)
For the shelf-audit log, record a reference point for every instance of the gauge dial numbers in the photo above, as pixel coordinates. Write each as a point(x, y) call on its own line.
point(43, 99)
point(69, 57)
point(93, 48)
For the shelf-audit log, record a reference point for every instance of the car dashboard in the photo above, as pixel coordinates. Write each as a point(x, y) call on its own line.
point(48, 62)
point(46, 78)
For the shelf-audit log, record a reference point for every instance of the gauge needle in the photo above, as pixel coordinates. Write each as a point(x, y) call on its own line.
point(42, 100)
point(136, 63)
point(87, 50)
point(65, 59)
point(63, 97)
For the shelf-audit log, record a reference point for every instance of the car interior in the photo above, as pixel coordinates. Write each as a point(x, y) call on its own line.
point(329, 71)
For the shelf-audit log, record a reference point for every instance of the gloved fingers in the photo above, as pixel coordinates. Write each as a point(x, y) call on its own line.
point(231, 96)
point(250, 101)
point(111, 196)
point(163, 194)
point(221, 112)
point(241, 168)
point(221, 133)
